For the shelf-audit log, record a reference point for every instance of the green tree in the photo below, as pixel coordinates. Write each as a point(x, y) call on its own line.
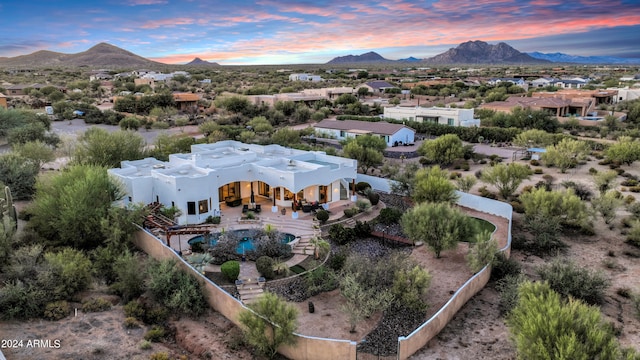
point(167, 144)
point(19, 174)
point(361, 301)
point(607, 205)
point(260, 124)
point(179, 291)
point(506, 178)
point(130, 276)
point(604, 180)
point(565, 154)
point(439, 225)
point(269, 323)
point(67, 209)
point(366, 149)
point(36, 151)
point(544, 326)
point(286, 137)
point(433, 185)
point(410, 287)
point(626, 150)
point(443, 150)
point(70, 272)
point(562, 205)
point(465, 183)
point(100, 148)
point(483, 251)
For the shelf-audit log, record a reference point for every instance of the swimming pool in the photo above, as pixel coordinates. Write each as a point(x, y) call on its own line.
point(246, 242)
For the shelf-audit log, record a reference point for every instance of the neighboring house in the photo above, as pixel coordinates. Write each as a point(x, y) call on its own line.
point(439, 115)
point(18, 90)
point(377, 87)
point(307, 96)
point(100, 76)
point(186, 101)
point(627, 94)
point(3, 101)
point(515, 81)
point(393, 134)
point(227, 173)
point(144, 81)
point(305, 77)
point(542, 82)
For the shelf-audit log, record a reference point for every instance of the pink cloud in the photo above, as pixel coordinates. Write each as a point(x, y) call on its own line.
point(154, 24)
point(146, 2)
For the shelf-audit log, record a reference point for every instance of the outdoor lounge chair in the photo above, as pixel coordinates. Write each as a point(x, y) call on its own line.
point(245, 208)
point(258, 208)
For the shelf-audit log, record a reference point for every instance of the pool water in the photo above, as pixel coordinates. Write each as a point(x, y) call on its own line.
point(244, 245)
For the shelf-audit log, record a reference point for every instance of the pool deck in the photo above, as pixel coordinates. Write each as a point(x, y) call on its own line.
point(302, 227)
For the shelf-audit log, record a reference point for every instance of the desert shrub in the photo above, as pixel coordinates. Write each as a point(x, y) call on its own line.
point(21, 300)
point(593, 171)
point(568, 279)
point(543, 326)
point(624, 292)
point(483, 251)
point(504, 266)
point(634, 209)
point(213, 219)
point(534, 162)
point(508, 288)
point(635, 300)
point(362, 186)
point(231, 270)
point(337, 259)
point(633, 235)
point(389, 216)
point(465, 166)
point(264, 265)
point(134, 309)
point(363, 205)
point(484, 192)
point(538, 171)
point(321, 279)
point(454, 175)
point(56, 310)
point(70, 270)
point(341, 235)
point(155, 334)
point(581, 190)
point(175, 289)
point(95, 305)
point(350, 212)
point(130, 275)
point(271, 246)
point(156, 314)
point(159, 356)
point(322, 216)
point(634, 189)
point(517, 207)
point(145, 345)
point(374, 198)
point(131, 323)
point(629, 199)
point(629, 182)
point(362, 229)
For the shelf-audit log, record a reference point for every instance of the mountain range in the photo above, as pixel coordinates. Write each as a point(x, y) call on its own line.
point(104, 55)
point(566, 58)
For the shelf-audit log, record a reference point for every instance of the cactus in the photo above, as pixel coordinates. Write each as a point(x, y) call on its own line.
point(8, 210)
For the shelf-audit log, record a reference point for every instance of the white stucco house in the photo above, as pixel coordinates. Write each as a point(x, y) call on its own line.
point(305, 77)
point(393, 134)
point(439, 115)
point(231, 173)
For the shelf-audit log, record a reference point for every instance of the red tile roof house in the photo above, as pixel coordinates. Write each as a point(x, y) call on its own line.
point(393, 134)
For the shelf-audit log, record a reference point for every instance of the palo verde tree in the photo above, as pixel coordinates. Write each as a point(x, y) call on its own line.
point(565, 154)
point(506, 178)
point(99, 147)
point(565, 206)
point(269, 323)
point(443, 150)
point(546, 327)
point(439, 225)
point(626, 150)
point(534, 137)
point(366, 149)
point(433, 185)
point(67, 209)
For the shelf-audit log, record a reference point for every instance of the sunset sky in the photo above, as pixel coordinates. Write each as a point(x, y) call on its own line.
point(305, 31)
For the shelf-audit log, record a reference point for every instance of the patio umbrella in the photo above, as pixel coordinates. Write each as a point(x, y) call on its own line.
point(253, 198)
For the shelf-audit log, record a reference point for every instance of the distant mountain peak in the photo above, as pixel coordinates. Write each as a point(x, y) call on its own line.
point(370, 56)
point(480, 52)
point(566, 58)
point(198, 61)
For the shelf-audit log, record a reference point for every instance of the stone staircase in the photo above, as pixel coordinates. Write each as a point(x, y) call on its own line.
point(250, 289)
